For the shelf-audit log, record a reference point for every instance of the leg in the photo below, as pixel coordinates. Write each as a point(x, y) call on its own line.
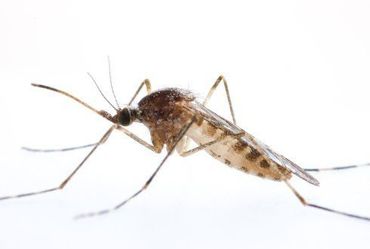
point(64, 183)
point(59, 150)
point(209, 95)
point(146, 82)
point(199, 148)
point(190, 152)
point(305, 203)
point(139, 140)
point(103, 114)
point(122, 129)
point(339, 168)
point(147, 183)
point(213, 88)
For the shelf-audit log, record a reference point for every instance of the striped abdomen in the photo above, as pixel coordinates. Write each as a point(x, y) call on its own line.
point(236, 152)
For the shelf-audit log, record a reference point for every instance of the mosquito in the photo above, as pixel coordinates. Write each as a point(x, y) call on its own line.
point(174, 116)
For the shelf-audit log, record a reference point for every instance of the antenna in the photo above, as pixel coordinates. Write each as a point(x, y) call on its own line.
point(101, 93)
point(111, 84)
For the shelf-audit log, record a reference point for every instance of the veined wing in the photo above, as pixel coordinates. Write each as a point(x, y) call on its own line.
point(229, 127)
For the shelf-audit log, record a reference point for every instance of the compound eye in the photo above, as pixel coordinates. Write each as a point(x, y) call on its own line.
point(125, 117)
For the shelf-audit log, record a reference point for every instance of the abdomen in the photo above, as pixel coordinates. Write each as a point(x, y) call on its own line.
point(236, 152)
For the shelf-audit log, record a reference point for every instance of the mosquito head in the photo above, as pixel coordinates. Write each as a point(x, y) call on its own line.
point(126, 116)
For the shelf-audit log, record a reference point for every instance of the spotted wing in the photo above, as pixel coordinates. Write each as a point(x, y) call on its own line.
point(229, 127)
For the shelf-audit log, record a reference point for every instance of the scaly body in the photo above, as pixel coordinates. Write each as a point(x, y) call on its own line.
point(236, 152)
point(165, 112)
point(172, 116)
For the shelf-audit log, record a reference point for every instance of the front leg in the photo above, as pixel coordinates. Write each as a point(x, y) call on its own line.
point(155, 147)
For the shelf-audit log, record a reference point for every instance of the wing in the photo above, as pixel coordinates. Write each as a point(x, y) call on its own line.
point(285, 162)
point(229, 127)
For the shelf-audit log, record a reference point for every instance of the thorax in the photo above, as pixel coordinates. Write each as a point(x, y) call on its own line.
point(164, 113)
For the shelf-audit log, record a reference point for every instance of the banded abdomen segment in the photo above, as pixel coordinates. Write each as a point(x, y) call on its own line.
point(236, 152)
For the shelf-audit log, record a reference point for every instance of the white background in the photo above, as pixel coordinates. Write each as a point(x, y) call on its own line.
point(299, 77)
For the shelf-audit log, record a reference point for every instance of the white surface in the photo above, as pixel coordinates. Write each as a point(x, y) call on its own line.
point(299, 77)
